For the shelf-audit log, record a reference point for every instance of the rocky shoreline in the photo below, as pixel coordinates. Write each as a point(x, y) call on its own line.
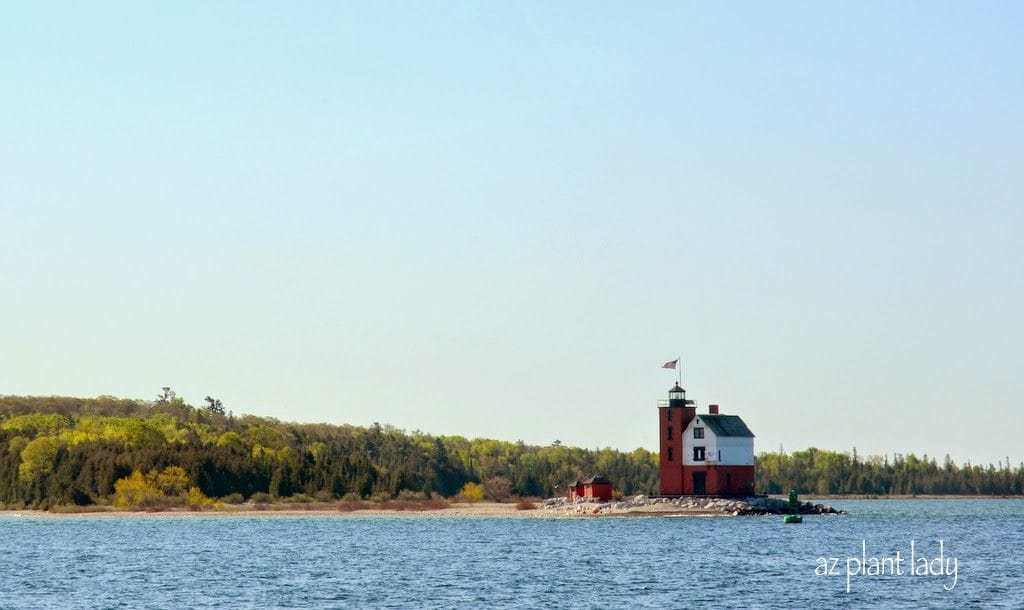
point(685, 506)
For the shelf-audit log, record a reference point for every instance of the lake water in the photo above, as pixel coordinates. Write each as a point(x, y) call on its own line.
point(403, 562)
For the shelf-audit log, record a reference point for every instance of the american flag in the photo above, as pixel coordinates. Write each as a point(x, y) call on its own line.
point(670, 365)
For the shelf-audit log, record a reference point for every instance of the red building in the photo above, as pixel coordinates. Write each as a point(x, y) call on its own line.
point(703, 454)
point(594, 488)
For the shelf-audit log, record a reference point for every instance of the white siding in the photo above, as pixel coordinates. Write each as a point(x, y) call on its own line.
point(708, 442)
point(726, 450)
point(736, 450)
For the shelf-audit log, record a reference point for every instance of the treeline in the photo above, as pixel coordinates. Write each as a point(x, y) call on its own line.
point(56, 450)
point(828, 472)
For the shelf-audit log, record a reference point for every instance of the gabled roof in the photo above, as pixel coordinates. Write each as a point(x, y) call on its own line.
point(598, 479)
point(726, 425)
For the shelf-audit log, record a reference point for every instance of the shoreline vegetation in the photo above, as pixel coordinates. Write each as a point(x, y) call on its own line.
point(107, 454)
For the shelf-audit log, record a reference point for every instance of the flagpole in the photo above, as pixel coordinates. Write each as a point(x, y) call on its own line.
point(679, 372)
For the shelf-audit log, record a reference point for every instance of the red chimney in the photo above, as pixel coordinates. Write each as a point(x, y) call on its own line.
point(713, 409)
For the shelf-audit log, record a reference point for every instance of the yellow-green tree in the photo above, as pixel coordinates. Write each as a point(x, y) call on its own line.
point(196, 499)
point(173, 481)
point(472, 492)
point(155, 487)
point(37, 458)
point(230, 439)
point(33, 424)
point(265, 436)
point(16, 445)
point(136, 490)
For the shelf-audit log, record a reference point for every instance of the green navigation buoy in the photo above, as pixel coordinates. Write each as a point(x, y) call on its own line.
point(794, 507)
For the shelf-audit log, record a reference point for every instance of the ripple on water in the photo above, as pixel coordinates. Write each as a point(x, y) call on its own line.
point(302, 562)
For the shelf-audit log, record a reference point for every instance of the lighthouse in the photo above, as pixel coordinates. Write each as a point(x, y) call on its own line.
point(702, 454)
point(674, 415)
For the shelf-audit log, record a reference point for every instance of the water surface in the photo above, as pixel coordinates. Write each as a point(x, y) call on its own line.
point(258, 561)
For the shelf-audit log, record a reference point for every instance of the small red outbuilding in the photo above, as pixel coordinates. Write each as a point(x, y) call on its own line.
point(594, 488)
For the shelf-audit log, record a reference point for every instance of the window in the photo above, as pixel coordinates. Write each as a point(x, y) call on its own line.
point(668, 414)
point(698, 454)
point(728, 480)
point(670, 433)
point(698, 433)
point(670, 454)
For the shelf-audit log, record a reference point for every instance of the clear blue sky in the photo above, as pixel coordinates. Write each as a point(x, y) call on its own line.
point(500, 219)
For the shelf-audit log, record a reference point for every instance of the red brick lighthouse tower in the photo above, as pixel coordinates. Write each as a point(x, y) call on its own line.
point(674, 416)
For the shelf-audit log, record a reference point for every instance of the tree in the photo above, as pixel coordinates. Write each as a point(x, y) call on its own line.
point(214, 405)
point(136, 491)
point(472, 492)
point(173, 481)
point(38, 458)
point(497, 489)
point(195, 499)
point(232, 440)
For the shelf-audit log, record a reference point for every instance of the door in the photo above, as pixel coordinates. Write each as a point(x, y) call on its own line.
point(700, 483)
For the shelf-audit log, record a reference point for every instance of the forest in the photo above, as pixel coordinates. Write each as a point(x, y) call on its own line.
point(813, 471)
point(60, 451)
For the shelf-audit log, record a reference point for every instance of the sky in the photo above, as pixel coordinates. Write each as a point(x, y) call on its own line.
point(500, 219)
